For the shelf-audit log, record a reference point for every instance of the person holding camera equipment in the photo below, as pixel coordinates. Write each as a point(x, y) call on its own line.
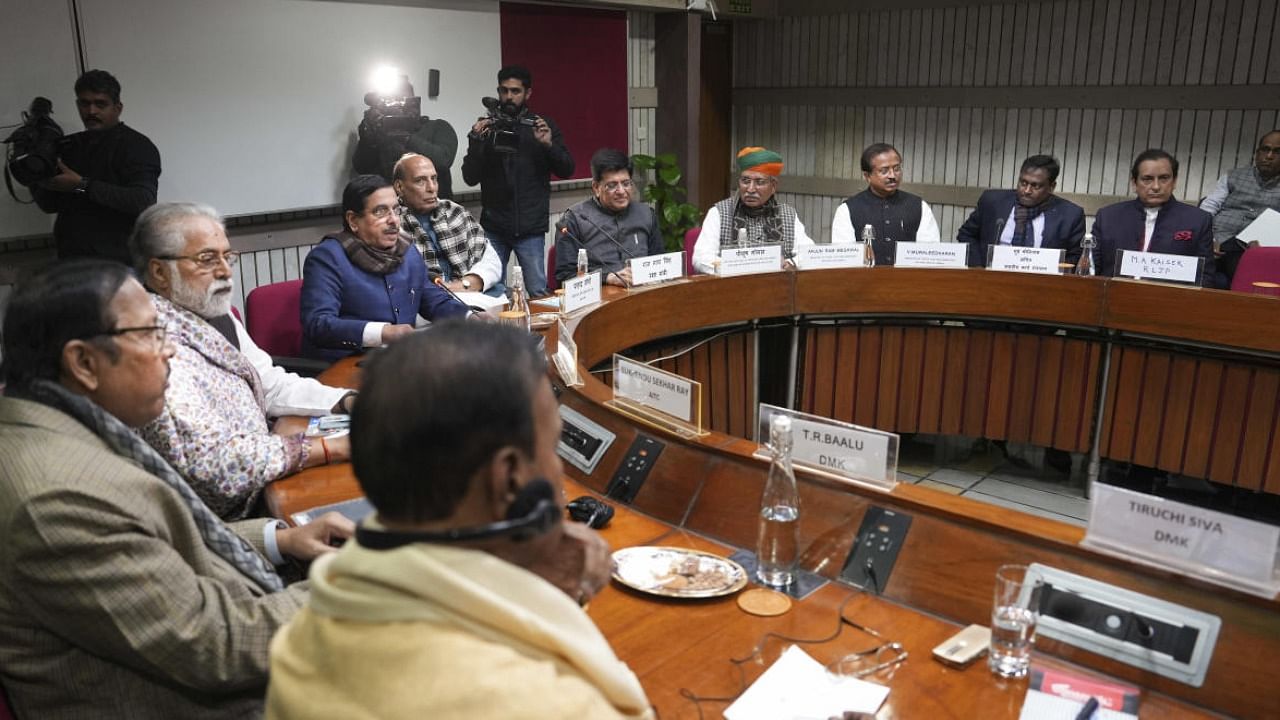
point(394, 126)
point(511, 154)
point(102, 179)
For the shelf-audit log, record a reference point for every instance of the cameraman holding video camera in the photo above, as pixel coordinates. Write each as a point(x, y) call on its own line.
point(511, 153)
point(105, 177)
point(394, 126)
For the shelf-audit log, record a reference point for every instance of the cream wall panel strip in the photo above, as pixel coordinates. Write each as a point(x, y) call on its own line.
point(1150, 97)
point(642, 97)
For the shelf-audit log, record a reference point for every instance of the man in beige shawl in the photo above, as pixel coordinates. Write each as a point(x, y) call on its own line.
point(460, 597)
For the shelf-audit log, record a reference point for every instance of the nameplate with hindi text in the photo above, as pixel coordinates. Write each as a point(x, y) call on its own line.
point(750, 260)
point(931, 255)
point(829, 255)
point(1159, 266)
point(836, 448)
point(663, 391)
point(656, 268)
point(580, 292)
point(1013, 258)
point(1207, 544)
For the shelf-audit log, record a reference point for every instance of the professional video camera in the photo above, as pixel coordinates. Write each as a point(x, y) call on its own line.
point(397, 114)
point(503, 123)
point(33, 147)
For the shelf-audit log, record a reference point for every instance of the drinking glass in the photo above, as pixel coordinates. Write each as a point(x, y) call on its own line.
point(1013, 620)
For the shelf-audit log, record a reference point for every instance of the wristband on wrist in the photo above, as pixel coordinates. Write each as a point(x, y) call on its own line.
point(325, 446)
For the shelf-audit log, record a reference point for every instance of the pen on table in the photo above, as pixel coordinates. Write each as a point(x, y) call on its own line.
point(1088, 710)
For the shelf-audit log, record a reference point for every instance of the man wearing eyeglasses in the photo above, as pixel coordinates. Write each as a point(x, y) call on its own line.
point(121, 594)
point(611, 228)
point(222, 388)
point(753, 216)
point(106, 176)
point(893, 214)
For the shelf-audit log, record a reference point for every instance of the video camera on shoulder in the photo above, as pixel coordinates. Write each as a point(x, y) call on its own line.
point(395, 114)
point(33, 147)
point(503, 122)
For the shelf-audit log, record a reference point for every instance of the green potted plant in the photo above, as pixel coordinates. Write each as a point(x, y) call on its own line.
point(664, 192)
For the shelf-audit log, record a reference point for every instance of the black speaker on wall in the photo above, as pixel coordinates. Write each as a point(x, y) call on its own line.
point(433, 83)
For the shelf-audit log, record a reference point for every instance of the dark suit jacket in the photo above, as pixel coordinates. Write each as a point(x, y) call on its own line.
point(1063, 225)
point(1180, 229)
point(111, 605)
point(338, 299)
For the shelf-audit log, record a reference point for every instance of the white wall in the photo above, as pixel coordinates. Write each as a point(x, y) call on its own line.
point(254, 103)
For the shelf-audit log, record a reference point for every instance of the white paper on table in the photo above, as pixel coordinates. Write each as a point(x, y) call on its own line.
point(1265, 229)
point(1039, 705)
point(492, 305)
point(797, 686)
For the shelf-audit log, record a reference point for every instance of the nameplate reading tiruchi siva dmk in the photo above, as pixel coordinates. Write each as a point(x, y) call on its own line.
point(1206, 544)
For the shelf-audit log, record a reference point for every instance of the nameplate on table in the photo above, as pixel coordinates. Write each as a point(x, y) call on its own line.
point(931, 255)
point(1159, 266)
point(566, 357)
point(836, 448)
point(749, 260)
point(1013, 258)
point(660, 390)
point(580, 292)
point(1207, 544)
point(656, 268)
point(828, 255)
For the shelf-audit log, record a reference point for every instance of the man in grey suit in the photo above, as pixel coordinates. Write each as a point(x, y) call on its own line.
point(121, 594)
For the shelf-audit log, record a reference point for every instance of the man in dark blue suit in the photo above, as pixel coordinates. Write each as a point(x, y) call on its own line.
point(1154, 221)
point(1031, 216)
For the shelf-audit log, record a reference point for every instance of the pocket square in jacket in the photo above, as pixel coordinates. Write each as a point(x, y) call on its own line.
point(1183, 235)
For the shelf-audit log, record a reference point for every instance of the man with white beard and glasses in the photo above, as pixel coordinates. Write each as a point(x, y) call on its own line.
point(222, 389)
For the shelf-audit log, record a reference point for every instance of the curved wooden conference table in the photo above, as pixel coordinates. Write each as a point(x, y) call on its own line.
point(919, 351)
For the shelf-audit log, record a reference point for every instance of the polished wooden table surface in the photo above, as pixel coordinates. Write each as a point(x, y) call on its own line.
point(680, 647)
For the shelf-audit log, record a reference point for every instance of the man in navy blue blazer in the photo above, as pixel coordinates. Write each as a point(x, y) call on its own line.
point(1031, 216)
point(1154, 221)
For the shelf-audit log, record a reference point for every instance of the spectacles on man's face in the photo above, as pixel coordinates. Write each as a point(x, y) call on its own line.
point(209, 259)
point(381, 212)
point(157, 334)
point(616, 185)
point(759, 182)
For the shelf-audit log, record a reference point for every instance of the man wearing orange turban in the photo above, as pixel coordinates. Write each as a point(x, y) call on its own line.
point(755, 210)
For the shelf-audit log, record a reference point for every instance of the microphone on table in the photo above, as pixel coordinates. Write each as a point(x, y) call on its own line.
point(562, 229)
point(473, 309)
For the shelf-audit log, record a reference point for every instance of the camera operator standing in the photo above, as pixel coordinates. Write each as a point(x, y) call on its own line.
point(107, 175)
point(511, 154)
point(394, 126)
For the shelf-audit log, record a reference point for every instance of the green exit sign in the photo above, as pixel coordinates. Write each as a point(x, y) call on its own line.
point(740, 6)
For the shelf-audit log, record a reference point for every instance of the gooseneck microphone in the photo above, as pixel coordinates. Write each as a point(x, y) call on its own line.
point(533, 512)
point(475, 310)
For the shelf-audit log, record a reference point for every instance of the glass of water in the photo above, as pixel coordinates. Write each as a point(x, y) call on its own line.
point(1013, 620)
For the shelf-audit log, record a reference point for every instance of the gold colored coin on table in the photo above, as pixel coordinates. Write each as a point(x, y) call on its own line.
point(764, 602)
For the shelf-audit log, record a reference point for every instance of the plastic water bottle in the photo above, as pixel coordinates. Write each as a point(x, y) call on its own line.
point(519, 312)
point(1085, 265)
point(868, 246)
point(582, 262)
point(778, 543)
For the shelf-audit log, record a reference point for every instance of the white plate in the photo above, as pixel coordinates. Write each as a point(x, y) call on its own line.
point(677, 572)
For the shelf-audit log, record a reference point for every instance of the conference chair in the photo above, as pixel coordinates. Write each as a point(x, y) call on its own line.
point(1258, 265)
point(552, 283)
point(690, 239)
point(273, 317)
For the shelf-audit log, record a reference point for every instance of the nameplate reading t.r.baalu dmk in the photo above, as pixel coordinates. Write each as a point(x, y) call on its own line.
point(657, 268)
point(829, 255)
point(1012, 258)
point(839, 450)
point(931, 255)
point(657, 397)
point(750, 260)
point(580, 292)
point(1206, 544)
point(1159, 266)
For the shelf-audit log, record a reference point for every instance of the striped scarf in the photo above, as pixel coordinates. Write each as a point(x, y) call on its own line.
point(459, 235)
